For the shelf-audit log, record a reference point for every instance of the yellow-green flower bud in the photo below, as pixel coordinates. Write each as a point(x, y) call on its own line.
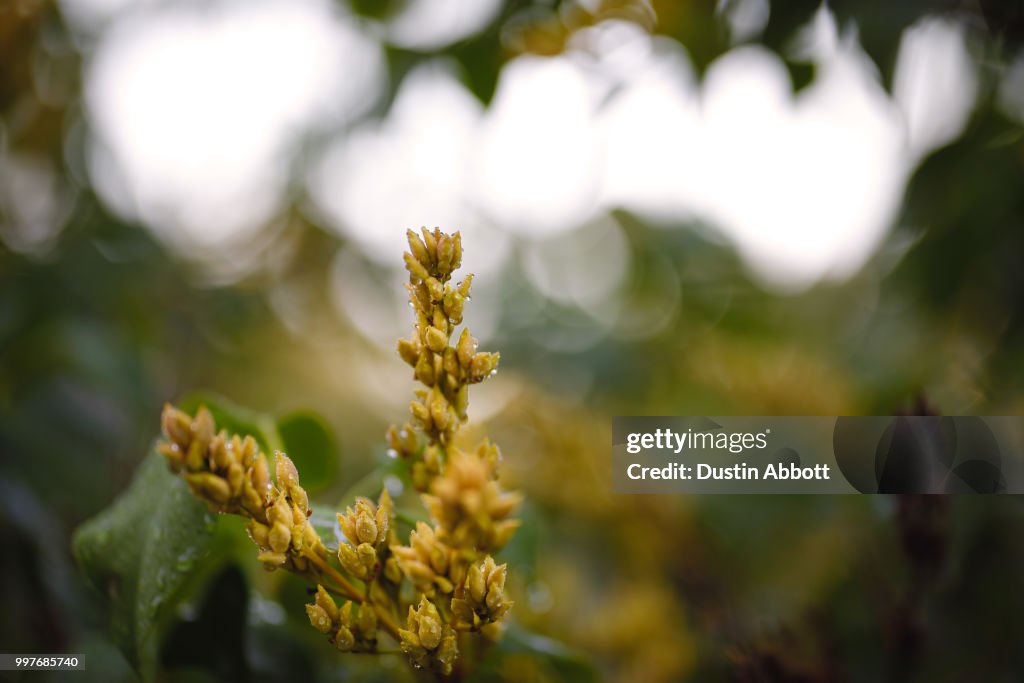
point(350, 560)
point(418, 248)
point(319, 619)
point(279, 538)
point(271, 560)
point(344, 640)
point(454, 305)
point(259, 533)
point(209, 487)
point(415, 268)
point(456, 250)
point(409, 350)
point(325, 602)
point(366, 621)
point(445, 252)
point(435, 288)
point(436, 340)
point(422, 414)
point(466, 348)
point(203, 426)
point(428, 642)
point(219, 451)
point(366, 528)
point(176, 425)
point(392, 572)
point(430, 241)
point(482, 365)
point(367, 558)
point(235, 478)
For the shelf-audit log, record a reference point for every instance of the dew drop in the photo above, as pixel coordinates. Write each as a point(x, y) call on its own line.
point(394, 486)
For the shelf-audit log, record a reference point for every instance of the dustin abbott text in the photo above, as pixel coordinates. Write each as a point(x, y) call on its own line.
point(701, 471)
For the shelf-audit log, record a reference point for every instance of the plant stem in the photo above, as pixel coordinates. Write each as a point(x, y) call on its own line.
point(352, 593)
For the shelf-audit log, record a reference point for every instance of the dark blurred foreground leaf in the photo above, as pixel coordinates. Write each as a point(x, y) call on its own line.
point(139, 553)
point(215, 640)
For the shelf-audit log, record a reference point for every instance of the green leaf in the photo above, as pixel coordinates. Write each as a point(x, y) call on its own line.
point(140, 552)
point(311, 445)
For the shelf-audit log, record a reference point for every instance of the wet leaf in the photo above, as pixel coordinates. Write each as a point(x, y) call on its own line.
point(311, 445)
point(140, 552)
